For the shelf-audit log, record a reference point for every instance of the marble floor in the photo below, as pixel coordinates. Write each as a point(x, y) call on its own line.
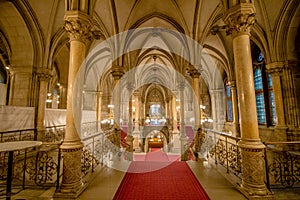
point(106, 181)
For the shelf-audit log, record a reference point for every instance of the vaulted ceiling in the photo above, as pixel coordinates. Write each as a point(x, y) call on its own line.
point(32, 34)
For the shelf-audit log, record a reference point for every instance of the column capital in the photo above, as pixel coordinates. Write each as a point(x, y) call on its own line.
point(275, 68)
point(117, 72)
point(240, 19)
point(136, 93)
point(79, 26)
point(232, 84)
point(194, 73)
point(44, 74)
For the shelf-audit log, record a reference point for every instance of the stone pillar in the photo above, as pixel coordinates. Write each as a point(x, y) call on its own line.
point(275, 70)
point(129, 138)
point(235, 112)
point(174, 111)
point(195, 84)
point(239, 19)
point(117, 73)
point(170, 117)
point(99, 110)
point(214, 108)
point(137, 112)
point(183, 137)
point(63, 97)
point(199, 137)
point(78, 25)
point(44, 78)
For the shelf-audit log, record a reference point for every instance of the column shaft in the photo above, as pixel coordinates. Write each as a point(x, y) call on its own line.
point(40, 124)
point(245, 87)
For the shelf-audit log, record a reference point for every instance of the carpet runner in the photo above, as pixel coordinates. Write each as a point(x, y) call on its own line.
point(174, 182)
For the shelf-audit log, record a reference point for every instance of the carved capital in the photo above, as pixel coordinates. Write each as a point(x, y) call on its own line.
point(80, 27)
point(240, 19)
point(194, 73)
point(117, 72)
point(275, 69)
point(44, 74)
point(78, 30)
point(232, 84)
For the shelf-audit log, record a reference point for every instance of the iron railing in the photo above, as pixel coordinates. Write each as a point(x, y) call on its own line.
point(52, 134)
point(32, 168)
point(225, 151)
point(282, 159)
point(18, 135)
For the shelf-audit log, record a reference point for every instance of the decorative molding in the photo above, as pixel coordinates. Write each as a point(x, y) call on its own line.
point(79, 26)
point(240, 19)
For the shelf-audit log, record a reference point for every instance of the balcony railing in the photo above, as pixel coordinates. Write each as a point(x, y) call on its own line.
point(33, 168)
point(282, 159)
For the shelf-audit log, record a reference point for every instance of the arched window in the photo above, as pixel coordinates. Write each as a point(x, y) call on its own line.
point(2, 74)
point(265, 104)
point(259, 96)
point(228, 103)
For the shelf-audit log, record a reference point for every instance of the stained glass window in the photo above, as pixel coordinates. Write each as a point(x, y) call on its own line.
point(263, 85)
point(272, 105)
point(229, 103)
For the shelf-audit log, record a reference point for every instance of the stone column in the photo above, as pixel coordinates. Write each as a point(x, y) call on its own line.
point(235, 112)
point(63, 97)
point(99, 110)
point(78, 26)
point(183, 137)
point(195, 84)
point(44, 78)
point(214, 108)
point(239, 19)
point(117, 73)
point(174, 111)
point(170, 110)
point(198, 140)
point(129, 138)
point(275, 70)
point(137, 112)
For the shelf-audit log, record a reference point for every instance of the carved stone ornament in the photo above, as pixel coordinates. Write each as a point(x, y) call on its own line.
point(194, 73)
point(78, 29)
point(240, 23)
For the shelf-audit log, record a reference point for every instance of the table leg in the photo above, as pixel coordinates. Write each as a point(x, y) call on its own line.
point(9, 174)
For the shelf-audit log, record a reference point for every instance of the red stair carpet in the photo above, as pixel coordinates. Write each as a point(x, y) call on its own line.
point(173, 181)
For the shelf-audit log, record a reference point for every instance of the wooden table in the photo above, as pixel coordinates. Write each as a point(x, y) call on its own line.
point(10, 147)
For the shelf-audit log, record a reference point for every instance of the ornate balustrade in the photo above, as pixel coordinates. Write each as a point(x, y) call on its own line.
point(18, 135)
point(90, 128)
point(224, 149)
point(282, 159)
point(35, 167)
point(98, 148)
point(282, 164)
point(42, 167)
point(52, 134)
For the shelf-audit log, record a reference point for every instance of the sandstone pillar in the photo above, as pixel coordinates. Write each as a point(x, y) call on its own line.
point(78, 26)
point(44, 78)
point(239, 19)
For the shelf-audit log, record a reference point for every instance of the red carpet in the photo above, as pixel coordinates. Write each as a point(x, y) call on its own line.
point(174, 182)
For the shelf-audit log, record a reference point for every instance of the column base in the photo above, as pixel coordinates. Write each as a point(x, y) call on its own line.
point(129, 150)
point(253, 170)
point(184, 148)
point(70, 191)
point(259, 193)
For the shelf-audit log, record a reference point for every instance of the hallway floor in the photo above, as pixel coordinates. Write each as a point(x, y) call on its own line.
point(107, 180)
